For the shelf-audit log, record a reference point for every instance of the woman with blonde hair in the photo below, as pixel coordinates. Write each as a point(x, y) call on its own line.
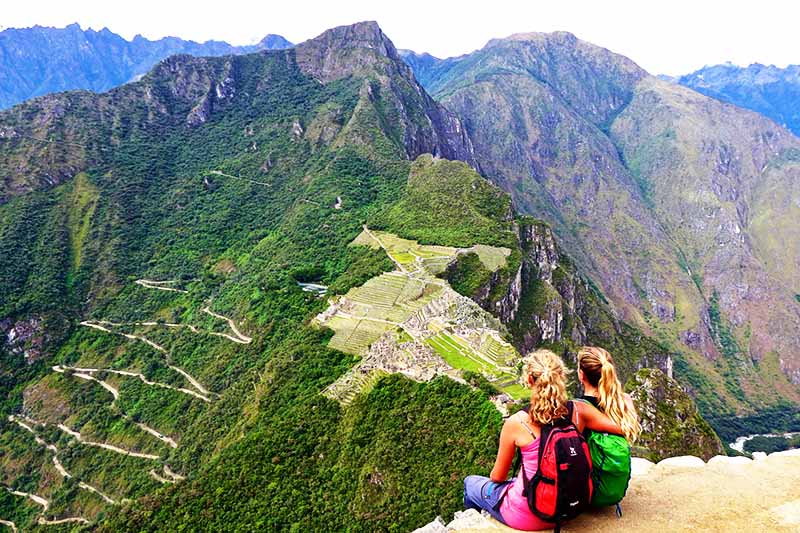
point(546, 375)
point(602, 388)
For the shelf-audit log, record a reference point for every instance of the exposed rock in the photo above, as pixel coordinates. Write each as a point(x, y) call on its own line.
point(682, 461)
point(24, 337)
point(640, 467)
point(669, 417)
point(362, 49)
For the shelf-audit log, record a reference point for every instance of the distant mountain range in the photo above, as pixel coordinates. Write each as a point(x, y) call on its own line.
point(769, 90)
point(41, 60)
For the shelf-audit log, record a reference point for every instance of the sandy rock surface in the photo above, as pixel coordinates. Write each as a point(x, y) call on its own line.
point(682, 494)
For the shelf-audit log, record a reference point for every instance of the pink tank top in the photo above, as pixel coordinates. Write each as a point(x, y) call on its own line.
point(514, 507)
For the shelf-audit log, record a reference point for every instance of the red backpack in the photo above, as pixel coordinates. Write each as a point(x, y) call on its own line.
point(562, 487)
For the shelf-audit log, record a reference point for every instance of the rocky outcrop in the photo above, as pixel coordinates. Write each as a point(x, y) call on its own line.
point(685, 494)
point(24, 337)
point(669, 417)
point(362, 50)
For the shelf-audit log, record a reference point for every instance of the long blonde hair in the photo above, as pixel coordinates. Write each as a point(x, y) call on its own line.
point(597, 366)
point(549, 388)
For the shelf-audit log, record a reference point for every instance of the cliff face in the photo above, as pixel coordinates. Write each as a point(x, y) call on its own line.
point(362, 50)
point(544, 301)
point(669, 418)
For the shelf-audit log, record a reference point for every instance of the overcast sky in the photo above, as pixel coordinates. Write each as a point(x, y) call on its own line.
point(670, 37)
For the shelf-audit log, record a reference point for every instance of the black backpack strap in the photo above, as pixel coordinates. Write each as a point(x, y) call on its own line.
point(517, 464)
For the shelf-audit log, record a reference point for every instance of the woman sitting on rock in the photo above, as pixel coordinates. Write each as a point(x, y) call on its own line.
point(602, 388)
point(544, 372)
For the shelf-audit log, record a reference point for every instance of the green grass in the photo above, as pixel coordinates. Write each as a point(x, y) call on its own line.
point(454, 355)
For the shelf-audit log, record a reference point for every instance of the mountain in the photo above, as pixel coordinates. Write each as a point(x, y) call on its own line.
point(768, 90)
point(242, 270)
point(662, 196)
point(41, 60)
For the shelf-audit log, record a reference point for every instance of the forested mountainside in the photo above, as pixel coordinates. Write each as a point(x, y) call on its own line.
point(769, 90)
point(41, 60)
point(682, 209)
point(163, 247)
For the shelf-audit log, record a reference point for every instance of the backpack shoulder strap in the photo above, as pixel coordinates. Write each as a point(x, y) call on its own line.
point(570, 411)
point(528, 429)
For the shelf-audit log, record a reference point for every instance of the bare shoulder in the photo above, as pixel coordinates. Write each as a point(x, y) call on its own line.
point(518, 418)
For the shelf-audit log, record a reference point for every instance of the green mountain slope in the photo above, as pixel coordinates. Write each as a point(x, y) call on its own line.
point(661, 195)
point(159, 346)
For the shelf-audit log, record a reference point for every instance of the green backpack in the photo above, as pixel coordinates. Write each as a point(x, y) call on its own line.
point(611, 467)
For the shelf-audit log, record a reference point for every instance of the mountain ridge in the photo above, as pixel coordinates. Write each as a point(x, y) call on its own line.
point(766, 89)
point(41, 60)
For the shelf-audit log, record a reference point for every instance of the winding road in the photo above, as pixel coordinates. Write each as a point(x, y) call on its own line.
point(115, 393)
point(99, 326)
point(241, 337)
point(218, 173)
point(56, 462)
point(136, 375)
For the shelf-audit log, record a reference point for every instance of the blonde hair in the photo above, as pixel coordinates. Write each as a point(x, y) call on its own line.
point(549, 388)
point(598, 368)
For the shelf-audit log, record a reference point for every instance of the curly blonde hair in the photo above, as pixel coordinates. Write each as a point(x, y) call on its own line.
point(545, 373)
point(598, 367)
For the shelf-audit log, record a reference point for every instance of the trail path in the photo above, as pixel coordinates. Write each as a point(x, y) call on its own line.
point(157, 347)
point(43, 521)
point(160, 285)
point(158, 478)
point(115, 392)
point(10, 524)
point(172, 477)
point(218, 173)
point(374, 237)
point(240, 339)
point(36, 499)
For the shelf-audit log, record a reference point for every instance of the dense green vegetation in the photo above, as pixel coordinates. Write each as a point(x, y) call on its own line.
point(781, 418)
point(467, 275)
point(771, 444)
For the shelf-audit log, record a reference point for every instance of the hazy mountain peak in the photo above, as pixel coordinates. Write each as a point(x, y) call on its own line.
point(40, 60)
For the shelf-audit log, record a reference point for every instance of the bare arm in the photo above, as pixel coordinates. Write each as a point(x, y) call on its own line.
point(589, 417)
point(505, 452)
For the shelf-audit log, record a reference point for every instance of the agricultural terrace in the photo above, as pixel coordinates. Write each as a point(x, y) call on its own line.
point(389, 302)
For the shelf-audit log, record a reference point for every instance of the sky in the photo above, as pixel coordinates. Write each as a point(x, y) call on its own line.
point(672, 37)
